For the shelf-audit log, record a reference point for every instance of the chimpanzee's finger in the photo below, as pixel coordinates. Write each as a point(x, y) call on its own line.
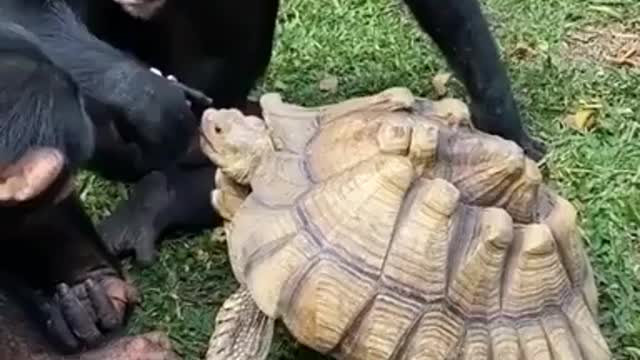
point(80, 321)
point(188, 92)
point(108, 316)
point(58, 327)
point(193, 95)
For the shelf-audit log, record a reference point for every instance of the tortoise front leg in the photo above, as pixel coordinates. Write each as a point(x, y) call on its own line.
point(242, 330)
point(227, 197)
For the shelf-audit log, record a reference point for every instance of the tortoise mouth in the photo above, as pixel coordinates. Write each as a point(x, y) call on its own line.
point(208, 147)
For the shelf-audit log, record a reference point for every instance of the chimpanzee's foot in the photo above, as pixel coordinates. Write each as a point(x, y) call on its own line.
point(81, 315)
point(133, 227)
point(177, 198)
point(533, 148)
point(151, 346)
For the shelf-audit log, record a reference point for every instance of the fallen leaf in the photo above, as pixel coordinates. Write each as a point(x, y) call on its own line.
point(523, 52)
point(583, 120)
point(330, 84)
point(439, 83)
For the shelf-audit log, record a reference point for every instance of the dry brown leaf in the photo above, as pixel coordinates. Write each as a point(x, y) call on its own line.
point(583, 120)
point(439, 83)
point(523, 52)
point(329, 83)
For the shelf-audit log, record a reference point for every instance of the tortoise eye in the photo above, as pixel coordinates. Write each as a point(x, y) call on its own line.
point(217, 129)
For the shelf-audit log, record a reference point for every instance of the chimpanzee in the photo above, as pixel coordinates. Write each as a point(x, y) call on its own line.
point(224, 46)
point(60, 289)
point(149, 110)
point(139, 121)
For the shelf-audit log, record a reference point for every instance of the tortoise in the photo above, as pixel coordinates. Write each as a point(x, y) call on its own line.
point(386, 227)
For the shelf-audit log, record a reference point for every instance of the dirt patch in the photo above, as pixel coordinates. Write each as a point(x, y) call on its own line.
point(614, 45)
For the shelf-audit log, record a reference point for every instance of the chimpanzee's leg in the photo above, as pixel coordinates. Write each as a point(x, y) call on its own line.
point(55, 248)
point(176, 198)
point(21, 332)
point(463, 35)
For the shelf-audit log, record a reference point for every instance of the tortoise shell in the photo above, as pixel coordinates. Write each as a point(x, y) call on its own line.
point(383, 227)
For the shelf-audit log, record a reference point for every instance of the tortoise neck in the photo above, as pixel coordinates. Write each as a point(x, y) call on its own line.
point(254, 161)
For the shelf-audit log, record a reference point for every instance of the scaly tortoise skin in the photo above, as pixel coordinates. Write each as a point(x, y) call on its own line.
point(382, 227)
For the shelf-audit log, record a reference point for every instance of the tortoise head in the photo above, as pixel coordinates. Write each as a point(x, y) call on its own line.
point(234, 142)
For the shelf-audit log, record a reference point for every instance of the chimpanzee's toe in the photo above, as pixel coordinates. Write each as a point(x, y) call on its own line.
point(533, 148)
point(81, 315)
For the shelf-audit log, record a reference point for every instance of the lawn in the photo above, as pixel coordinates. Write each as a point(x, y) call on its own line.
point(563, 56)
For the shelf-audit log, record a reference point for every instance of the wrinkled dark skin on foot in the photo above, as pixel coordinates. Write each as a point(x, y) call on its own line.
point(53, 251)
point(81, 315)
point(22, 337)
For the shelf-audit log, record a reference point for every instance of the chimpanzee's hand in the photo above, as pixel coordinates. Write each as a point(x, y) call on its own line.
point(79, 316)
point(160, 121)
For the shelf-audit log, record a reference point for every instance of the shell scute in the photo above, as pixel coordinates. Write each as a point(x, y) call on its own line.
point(535, 277)
point(437, 335)
point(277, 263)
point(255, 227)
point(325, 153)
point(291, 126)
point(355, 212)
point(474, 285)
point(488, 171)
point(325, 303)
point(280, 180)
point(476, 342)
point(413, 263)
point(382, 329)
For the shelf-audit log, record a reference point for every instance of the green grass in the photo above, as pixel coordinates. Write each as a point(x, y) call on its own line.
point(373, 44)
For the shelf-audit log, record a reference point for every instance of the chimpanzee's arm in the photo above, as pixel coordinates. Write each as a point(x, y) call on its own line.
point(40, 105)
point(462, 34)
point(226, 77)
point(154, 109)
